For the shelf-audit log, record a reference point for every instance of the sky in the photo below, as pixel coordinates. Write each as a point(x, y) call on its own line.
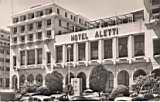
point(92, 9)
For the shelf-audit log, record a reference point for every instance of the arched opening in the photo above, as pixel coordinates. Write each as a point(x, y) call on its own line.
point(71, 76)
point(14, 82)
point(22, 80)
point(30, 79)
point(123, 78)
point(83, 78)
point(39, 79)
point(138, 73)
point(156, 72)
point(54, 81)
point(110, 81)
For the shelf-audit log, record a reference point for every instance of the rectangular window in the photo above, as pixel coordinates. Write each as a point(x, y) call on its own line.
point(14, 30)
point(30, 15)
point(107, 49)
point(31, 57)
point(7, 82)
point(22, 29)
point(30, 27)
point(48, 57)
point(123, 47)
point(39, 13)
point(1, 82)
point(59, 54)
point(39, 35)
point(30, 37)
point(70, 53)
point(22, 54)
point(7, 60)
point(48, 11)
point(139, 45)
point(58, 11)
point(48, 22)
point(15, 20)
point(156, 45)
point(39, 25)
point(39, 56)
point(81, 51)
point(15, 40)
point(22, 18)
point(94, 50)
point(66, 14)
point(60, 23)
point(14, 61)
point(22, 38)
point(49, 33)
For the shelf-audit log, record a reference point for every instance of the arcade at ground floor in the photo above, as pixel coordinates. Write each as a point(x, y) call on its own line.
point(112, 75)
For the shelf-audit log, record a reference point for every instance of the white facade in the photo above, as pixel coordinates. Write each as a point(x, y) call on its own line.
point(123, 45)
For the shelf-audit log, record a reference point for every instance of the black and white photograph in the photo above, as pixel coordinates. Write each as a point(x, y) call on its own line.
point(79, 50)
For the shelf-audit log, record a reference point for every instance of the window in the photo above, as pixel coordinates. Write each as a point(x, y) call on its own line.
point(39, 56)
point(15, 40)
point(139, 45)
point(59, 32)
point(39, 35)
point(49, 33)
point(14, 30)
point(58, 11)
point(7, 60)
point(7, 82)
point(60, 23)
point(48, 11)
point(81, 51)
point(39, 25)
point(48, 57)
point(7, 69)
point(48, 22)
point(30, 26)
point(123, 47)
point(58, 54)
point(22, 18)
point(107, 49)
point(71, 17)
point(80, 21)
point(156, 45)
point(67, 25)
point(14, 61)
point(70, 53)
point(15, 20)
point(22, 29)
point(30, 15)
point(31, 57)
point(30, 37)
point(66, 14)
point(1, 82)
point(22, 57)
point(39, 13)
point(22, 38)
point(94, 50)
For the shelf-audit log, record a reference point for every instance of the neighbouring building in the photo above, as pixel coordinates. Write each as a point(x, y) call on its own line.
point(49, 38)
point(4, 59)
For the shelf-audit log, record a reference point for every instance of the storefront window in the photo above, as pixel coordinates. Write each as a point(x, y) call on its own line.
point(31, 57)
point(22, 57)
point(70, 52)
point(81, 51)
point(156, 45)
point(39, 56)
point(107, 49)
point(94, 50)
point(122, 45)
point(59, 54)
point(139, 45)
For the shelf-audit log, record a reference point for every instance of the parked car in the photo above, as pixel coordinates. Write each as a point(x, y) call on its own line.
point(123, 99)
point(82, 98)
point(63, 98)
point(40, 98)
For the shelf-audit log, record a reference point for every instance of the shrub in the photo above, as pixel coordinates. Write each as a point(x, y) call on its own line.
point(120, 90)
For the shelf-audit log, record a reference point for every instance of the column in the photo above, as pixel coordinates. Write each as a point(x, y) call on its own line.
point(87, 82)
point(87, 52)
point(64, 81)
point(101, 50)
point(64, 54)
point(115, 49)
point(115, 82)
point(35, 56)
point(75, 52)
point(130, 47)
point(43, 82)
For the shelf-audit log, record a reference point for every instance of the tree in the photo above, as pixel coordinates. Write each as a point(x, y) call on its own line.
point(54, 82)
point(98, 79)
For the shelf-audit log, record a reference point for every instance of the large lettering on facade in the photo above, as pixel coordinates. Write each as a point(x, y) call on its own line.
point(106, 32)
point(97, 34)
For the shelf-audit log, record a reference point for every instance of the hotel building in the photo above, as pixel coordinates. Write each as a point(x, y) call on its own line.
point(4, 59)
point(49, 38)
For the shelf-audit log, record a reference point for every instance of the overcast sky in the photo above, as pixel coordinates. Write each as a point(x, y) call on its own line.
point(92, 9)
